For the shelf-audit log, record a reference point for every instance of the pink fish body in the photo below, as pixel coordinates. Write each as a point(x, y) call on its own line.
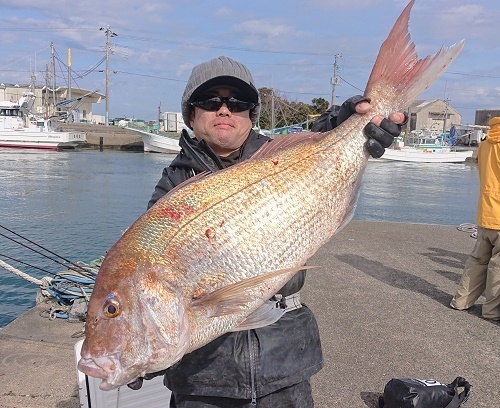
point(205, 258)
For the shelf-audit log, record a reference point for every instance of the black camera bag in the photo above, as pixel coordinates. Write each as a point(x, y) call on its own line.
point(414, 393)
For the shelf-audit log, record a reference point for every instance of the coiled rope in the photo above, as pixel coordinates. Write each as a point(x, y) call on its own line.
point(470, 228)
point(69, 291)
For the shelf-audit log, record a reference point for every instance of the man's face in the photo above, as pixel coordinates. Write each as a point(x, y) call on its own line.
point(223, 130)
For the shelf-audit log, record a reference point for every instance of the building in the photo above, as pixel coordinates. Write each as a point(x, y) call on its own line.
point(71, 105)
point(172, 122)
point(483, 116)
point(433, 115)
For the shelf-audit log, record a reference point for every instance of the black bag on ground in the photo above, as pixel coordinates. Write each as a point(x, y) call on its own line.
point(414, 393)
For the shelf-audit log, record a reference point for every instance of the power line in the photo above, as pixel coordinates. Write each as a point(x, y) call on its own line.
point(151, 76)
point(163, 41)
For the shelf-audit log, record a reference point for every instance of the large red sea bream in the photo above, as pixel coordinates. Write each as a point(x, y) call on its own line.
point(205, 258)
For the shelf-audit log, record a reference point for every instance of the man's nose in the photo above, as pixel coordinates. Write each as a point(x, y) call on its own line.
point(224, 110)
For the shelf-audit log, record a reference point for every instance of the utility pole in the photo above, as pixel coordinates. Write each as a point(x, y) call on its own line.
point(109, 34)
point(335, 79)
point(273, 118)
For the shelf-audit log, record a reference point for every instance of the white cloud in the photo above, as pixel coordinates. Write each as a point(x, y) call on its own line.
point(224, 12)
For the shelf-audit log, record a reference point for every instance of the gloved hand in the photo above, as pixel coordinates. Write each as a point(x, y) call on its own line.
point(379, 137)
point(137, 383)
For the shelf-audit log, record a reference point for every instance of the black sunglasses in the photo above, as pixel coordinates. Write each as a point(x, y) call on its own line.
point(233, 104)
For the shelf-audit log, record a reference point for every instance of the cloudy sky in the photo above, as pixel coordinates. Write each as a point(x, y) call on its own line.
point(289, 45)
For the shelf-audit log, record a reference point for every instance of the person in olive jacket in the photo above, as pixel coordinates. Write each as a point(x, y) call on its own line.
point(270, 366)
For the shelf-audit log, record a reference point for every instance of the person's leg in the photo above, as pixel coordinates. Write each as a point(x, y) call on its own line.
point(491, 307)
point(295, 396)
point(473, 281)
point(199, 401)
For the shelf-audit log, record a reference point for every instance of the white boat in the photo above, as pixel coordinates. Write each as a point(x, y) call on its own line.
point(156, 142)
point(423, 149)
point(20, 129)
point(412, 154)
point(159, 143)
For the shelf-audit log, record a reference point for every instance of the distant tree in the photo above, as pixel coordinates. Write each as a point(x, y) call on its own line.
point(319, 105)
point(285, 112)
point(265, 111)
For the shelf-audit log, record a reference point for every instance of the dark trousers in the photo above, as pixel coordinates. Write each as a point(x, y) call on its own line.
point(295, 396)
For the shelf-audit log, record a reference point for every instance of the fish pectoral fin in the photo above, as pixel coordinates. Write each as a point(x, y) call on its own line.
point(235, 297)
point(265, 315)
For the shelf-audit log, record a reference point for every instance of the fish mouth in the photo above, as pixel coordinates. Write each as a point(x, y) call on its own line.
point(107, 368)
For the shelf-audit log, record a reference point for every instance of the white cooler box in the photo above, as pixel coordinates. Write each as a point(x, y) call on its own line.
point(153, 394)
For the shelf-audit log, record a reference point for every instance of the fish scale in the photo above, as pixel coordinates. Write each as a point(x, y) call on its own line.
point(287, 209)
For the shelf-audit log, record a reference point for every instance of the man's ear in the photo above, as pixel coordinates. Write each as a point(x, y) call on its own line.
point(191, 118)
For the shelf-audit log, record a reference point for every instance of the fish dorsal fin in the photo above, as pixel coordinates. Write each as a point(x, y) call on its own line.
point(282, 142)
point(234, 298)
point(266, 150)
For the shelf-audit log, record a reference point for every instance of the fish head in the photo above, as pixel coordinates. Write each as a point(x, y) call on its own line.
point(136, 324)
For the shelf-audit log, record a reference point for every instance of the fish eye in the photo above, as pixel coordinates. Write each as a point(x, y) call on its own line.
point(111, 308)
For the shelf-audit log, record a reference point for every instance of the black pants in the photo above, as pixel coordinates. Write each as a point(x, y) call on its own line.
point(295, 396)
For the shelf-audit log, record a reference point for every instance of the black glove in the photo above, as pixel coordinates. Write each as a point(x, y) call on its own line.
point(349, 107)
point(333, 117)
point(137, 383)
point(379, 137)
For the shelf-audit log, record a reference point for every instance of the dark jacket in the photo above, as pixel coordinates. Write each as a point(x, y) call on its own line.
point(245, 364)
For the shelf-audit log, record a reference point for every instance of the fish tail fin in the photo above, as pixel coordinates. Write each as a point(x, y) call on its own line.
point(398, 74)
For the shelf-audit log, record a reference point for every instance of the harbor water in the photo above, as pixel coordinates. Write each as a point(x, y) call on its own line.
point(78, 203)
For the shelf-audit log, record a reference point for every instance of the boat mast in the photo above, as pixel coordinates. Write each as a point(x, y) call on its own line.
point(69, 74)
point(53, 67)
point(159, 117)
point(445, 114)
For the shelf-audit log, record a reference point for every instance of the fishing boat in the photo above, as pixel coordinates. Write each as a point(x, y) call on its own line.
point(154, 141)
point(159, 143)
point(425, 148)
point(20, 128)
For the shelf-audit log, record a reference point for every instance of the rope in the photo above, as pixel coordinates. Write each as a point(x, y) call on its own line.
point(70, 290)
point(21, 274)
point(470, 228)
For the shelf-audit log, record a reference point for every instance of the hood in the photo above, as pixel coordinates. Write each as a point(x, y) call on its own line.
point(493, 135)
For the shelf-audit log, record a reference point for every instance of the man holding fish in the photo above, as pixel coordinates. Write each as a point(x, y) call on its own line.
point(204, 286)
point(271, 365)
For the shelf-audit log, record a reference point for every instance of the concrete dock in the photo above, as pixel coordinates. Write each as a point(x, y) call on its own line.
point(110, 137)
point(381, 298)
